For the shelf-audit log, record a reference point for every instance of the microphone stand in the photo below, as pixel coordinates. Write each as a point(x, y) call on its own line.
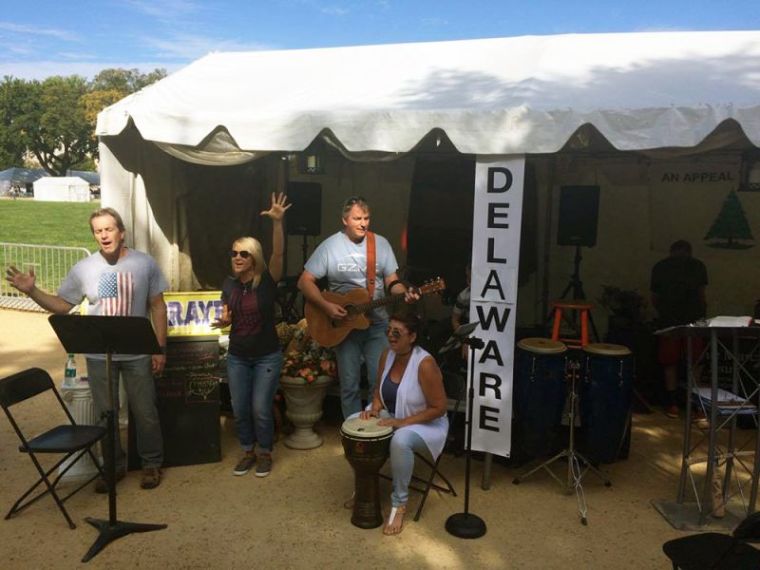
point(466, 524)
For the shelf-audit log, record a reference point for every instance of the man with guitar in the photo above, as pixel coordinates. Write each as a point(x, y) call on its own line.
point(352, 259)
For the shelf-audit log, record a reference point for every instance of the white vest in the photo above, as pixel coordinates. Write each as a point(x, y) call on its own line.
point(410, 400)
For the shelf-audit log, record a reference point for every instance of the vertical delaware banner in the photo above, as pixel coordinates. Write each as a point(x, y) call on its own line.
point(493, 296)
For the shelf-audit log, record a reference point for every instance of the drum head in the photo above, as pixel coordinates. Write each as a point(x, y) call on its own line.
point(542, 345)
point(606, 349)
point(365, 429)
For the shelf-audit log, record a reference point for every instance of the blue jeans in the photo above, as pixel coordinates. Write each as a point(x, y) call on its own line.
point(141, 397)
point(403, 445)
point(369, 343)
point(253, 383)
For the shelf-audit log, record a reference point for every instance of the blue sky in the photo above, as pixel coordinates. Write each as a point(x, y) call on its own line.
point(39, 38)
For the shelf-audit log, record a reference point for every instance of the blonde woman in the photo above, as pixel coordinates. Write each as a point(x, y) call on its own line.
point(254, 359)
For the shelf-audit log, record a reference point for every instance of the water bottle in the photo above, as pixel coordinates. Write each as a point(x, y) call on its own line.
point(70, 374)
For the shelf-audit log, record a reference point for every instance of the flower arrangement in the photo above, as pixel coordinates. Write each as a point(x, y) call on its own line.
point(304, 358)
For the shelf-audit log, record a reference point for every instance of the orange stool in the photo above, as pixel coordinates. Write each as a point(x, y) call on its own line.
point(584, 311)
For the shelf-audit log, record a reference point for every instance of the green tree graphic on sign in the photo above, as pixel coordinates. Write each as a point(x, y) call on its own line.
point(730, 225)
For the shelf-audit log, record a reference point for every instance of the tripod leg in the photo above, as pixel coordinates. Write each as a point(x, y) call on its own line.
point(108, 532)
point(575, 467)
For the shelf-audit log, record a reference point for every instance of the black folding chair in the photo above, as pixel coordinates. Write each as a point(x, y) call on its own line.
point(711, 550)
point(454, 385)
point(69, 440)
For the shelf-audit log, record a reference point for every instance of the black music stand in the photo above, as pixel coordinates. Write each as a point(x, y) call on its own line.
point(467, 524)
point(108, 335)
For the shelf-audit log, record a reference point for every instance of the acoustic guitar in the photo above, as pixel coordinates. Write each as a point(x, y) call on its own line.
point(331, 332)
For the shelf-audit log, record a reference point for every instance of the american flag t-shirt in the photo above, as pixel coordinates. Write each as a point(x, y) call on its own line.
point(115, 292)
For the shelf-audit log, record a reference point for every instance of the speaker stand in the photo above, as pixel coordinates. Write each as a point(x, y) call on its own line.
point(575, 285)
point(304, 249)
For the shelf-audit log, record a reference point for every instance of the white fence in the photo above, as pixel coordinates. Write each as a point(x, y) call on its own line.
point(50, 263)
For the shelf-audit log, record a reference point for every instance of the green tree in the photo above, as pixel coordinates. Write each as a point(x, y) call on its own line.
point(731, 223)
point(12, 143)
point(55, 119)
point(54, 124)
point(125, 81)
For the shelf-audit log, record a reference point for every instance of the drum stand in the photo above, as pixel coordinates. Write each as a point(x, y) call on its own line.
point(574, 459)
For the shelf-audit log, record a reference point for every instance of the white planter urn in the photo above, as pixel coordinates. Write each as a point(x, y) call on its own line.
point(303, 403)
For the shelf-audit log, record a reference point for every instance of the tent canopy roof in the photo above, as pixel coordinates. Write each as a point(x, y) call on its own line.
point(492, 96)
point(18, 175)
point(56, 181)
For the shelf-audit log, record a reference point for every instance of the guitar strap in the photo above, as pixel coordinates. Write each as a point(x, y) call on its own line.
point(371, 258)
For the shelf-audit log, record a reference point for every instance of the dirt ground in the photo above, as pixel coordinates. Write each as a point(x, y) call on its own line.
point(295, 517)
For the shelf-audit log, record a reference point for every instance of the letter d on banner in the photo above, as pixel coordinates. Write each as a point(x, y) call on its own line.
point(493, 292)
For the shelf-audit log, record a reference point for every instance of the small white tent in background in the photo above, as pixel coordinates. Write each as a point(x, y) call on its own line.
point(62, 189)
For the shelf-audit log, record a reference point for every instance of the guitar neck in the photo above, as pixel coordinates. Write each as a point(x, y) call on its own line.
point(374, 304)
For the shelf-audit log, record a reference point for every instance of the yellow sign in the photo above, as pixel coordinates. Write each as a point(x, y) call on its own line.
point(191, 313)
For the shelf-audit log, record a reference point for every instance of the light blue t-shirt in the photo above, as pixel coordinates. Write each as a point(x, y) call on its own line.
point(122, 289)
point(345, 265)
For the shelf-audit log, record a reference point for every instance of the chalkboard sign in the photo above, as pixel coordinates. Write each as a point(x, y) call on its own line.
point(188, 403)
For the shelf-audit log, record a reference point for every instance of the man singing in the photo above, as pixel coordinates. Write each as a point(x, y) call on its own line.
point(117, 281)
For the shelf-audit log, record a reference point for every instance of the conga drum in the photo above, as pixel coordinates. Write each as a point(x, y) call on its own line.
point(367, 446)
point(606, 395)
point(539, 393)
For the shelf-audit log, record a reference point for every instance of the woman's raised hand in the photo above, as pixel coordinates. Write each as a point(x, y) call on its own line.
point(279, 205)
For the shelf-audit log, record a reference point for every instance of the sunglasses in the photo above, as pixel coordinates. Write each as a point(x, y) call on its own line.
point(244, 254)
point(394, 332)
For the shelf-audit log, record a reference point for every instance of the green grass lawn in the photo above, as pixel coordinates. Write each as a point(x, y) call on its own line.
point(47, 223)
point(28, 222)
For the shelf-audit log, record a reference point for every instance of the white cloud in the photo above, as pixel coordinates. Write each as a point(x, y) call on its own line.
point(334, 10)
point(88, 69)
point(189, 47)
point(26, 30)
point(434, 22)
point(77, 55)
point(166, 9)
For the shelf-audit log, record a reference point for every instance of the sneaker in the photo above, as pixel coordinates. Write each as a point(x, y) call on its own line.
point(264, 465)
point(101, 486)
point(244, 465)
point(151, 478)
point(671, 411)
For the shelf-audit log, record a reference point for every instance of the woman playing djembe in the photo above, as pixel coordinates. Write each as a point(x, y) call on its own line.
point(410, 398)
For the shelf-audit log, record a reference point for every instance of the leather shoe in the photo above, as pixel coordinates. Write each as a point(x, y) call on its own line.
point(151, 478)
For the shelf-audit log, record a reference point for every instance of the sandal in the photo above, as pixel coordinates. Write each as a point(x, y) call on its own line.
point(395, 521)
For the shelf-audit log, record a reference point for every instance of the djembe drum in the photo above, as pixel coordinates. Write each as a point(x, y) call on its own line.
point(367, 446)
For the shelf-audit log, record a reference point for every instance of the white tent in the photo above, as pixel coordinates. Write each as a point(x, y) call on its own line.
point(62, 189)
point(666, 124)
point(561, 99)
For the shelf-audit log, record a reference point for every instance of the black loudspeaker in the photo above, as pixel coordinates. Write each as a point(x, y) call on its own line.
point(304, 218)
point(578, 215)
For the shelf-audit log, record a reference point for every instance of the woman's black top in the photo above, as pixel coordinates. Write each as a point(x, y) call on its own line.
point(253, 333)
